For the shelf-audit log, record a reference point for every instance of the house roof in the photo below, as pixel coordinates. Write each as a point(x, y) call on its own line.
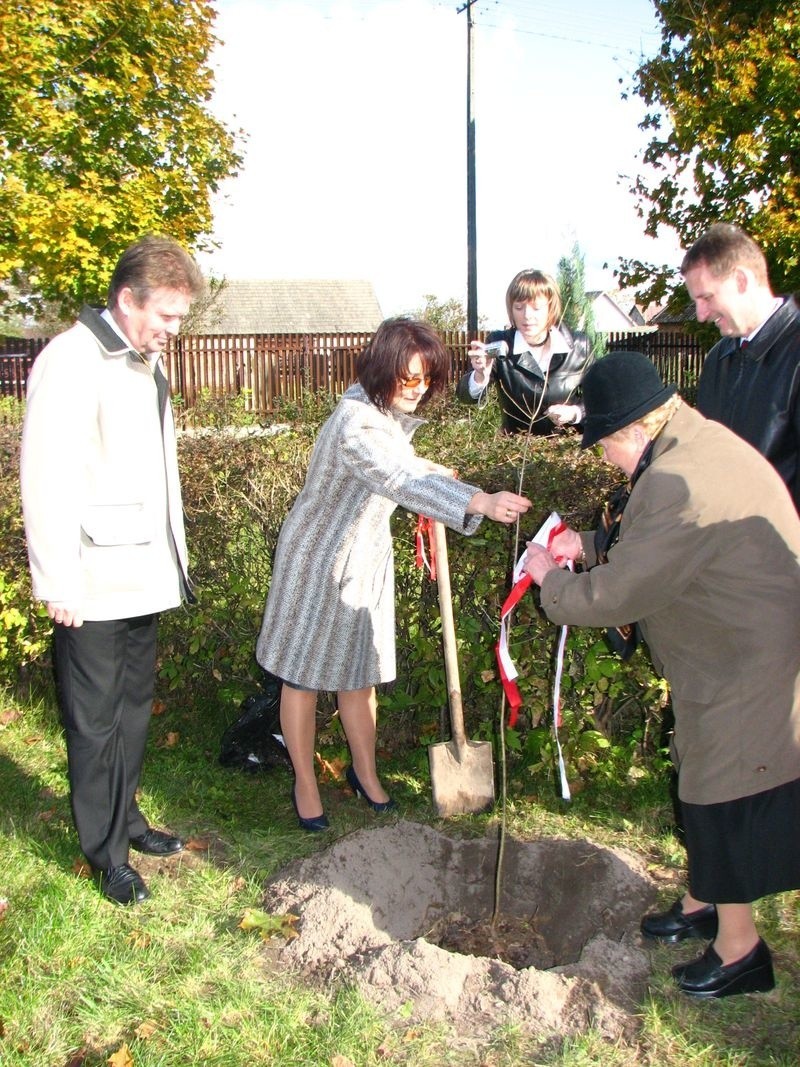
point(290, 306)
point(609, 316)
point(629, 300)
point(669, 316)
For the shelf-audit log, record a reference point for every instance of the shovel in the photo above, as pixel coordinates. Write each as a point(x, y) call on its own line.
point(462, 773)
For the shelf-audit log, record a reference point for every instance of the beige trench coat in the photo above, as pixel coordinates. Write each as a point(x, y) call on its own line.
point(708, 562)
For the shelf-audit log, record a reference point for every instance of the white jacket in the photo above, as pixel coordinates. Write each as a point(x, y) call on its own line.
point(100, 490)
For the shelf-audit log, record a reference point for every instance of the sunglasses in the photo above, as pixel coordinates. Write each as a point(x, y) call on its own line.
point(412, 383)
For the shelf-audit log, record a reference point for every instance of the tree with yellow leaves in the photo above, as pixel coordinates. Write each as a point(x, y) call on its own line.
point(723, 99)
point(105, 135)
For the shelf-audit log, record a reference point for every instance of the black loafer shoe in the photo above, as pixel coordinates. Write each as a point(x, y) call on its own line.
point(673, 925)
point(123, 885)
point(708, 976)
point(157, 843)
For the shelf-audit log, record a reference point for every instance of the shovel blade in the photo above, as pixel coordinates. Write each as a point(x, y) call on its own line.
point(462, 777)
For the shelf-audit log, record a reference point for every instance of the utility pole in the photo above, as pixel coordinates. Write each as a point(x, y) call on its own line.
point(472, 228)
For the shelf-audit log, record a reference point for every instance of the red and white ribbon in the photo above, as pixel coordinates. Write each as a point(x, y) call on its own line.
point(425, 527)
point(549, 529)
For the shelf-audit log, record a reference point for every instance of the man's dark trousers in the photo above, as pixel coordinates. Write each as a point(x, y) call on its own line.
point(105, 674)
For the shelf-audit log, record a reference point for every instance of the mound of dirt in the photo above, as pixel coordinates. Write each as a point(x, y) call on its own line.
point(405, 912)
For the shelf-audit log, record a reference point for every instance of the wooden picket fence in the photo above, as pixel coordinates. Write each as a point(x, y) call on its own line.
point(261, 369)
point(678, 356)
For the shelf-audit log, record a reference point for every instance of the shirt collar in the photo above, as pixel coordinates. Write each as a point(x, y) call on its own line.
point(558, 343)
point(149, 357)
point(776, 303)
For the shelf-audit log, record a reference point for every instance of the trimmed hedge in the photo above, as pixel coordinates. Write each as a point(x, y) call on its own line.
point(237, 490)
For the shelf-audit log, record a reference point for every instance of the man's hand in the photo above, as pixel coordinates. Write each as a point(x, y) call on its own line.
point(538, 562)
point(64, 614)
point(567, 545)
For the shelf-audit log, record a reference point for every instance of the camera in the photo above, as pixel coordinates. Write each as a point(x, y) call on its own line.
point(497, 350)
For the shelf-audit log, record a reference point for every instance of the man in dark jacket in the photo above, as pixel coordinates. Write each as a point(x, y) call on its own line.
point(750, 381)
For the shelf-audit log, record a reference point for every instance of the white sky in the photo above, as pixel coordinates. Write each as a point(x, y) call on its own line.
point(355, 163)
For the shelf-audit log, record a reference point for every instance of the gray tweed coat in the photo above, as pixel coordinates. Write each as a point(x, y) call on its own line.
point(329, 618)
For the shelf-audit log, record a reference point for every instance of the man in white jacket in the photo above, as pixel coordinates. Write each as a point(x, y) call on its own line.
point(104, 528)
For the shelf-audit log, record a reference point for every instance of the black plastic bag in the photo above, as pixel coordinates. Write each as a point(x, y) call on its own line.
point(250, 744)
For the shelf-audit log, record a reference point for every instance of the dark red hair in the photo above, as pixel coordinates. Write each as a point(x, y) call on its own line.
point(385, 360)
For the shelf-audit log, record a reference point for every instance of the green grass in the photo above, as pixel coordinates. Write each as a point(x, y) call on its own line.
point(177, 982)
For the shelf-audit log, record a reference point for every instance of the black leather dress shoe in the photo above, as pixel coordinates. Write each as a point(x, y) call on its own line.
point(708, 976)
point(673, 925)
point(157, 843)
point(123, 885)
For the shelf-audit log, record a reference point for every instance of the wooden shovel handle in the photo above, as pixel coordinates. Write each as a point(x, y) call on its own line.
point(449, 635)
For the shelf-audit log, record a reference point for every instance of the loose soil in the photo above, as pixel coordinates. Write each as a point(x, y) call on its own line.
point(405, 913)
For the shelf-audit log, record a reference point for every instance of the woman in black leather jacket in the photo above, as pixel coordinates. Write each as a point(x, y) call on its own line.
point(539, 375)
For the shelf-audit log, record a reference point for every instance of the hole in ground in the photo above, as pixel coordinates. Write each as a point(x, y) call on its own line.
point(401, 909)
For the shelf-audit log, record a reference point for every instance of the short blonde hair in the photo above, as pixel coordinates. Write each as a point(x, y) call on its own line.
point(530, 285)
point(653, 422)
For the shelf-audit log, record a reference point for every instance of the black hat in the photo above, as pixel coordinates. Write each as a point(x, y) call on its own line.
point(617, 390)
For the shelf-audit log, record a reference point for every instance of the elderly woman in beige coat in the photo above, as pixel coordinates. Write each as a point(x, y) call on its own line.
point(329, 618)
point(707, 562)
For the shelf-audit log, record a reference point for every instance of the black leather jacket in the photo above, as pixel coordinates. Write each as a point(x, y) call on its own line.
point(520, 383)
point(755, 391)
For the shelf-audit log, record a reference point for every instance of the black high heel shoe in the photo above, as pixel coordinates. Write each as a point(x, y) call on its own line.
point(358, 789)
point(315, 825)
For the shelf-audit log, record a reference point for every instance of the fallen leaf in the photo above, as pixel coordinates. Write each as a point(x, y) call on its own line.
point(217, 673)
point(198, 844)
point(342, 1061)
point(8, 715)
point(3, 908)
point(269, 925)
point(32, 740)
point(78, 1059)
point(81, 868)
point(138, 939)
point(46, 816)
point(488, 676)
point(146, 1029)
point(159, 707)
point(122, 1057)
point(171, 740)
point(330, 770)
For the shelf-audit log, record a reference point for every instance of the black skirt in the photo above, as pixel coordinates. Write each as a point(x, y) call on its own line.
point(744, 849)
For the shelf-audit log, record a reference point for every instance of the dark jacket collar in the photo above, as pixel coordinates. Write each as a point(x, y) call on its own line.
point(769, 335)
point(105, 335)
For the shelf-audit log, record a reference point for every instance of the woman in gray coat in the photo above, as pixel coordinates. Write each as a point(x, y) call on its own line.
point(708, 562)
point(329, 618)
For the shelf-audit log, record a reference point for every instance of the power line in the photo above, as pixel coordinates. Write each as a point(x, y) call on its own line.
point(570, 25)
